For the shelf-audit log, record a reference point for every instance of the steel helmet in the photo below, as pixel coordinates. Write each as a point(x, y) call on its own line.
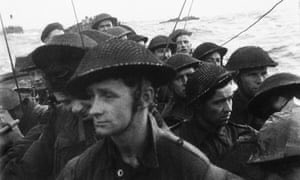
point(279, 137)
point(249, 57)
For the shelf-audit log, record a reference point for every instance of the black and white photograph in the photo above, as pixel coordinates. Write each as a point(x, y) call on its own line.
point(150, 90)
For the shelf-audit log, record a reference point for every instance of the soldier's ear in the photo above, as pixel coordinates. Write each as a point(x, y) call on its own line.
point(147, 96)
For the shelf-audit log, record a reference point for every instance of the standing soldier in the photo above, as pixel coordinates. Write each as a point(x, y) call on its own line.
point(250, 63)
point(119, 79)
point(209, 94)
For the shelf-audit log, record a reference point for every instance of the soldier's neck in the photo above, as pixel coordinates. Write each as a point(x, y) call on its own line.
point(131, 143)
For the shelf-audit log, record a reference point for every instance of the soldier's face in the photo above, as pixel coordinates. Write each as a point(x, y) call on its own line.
point(214, 58)
point(111, 106)
point(184, 44)
point(178, 85)
point(37, 79)
point(217, 109)
point(250, 80)
point(105, 25)
point(163, 53)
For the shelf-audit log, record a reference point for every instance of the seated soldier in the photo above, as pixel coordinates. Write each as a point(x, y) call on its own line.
point(120, 86)
point(209, 95)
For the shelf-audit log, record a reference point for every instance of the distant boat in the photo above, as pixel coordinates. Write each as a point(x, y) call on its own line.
point(14, 29)
point(186, 18)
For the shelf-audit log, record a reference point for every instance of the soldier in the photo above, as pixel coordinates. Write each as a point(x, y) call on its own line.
point(51, 30)
point(64, 134)
point(278, 151)
point(274, 94)
point(175, 110)
point(36, 86)
point(209, 95)
point(26, 112)
point(182, 38)
point(9, 101)
point(162, 47)
point(140, 39)
point(250, 63)
point(277, 93)
point(120, 86)
point(118, 32)
point(103, 22)
point(210, 52)
point(98, 36)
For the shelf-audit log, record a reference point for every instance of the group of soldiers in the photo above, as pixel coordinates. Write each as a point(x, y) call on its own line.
point(111, 107)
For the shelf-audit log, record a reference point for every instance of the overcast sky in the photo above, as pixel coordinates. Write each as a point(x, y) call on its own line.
point(38, 13)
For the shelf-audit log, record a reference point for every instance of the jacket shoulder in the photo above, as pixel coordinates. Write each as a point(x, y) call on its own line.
point(184, 146)
point(244, 133)
point(77, 167)
point(193, 163)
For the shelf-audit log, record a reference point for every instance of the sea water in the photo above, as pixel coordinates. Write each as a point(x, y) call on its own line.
point(278, 33)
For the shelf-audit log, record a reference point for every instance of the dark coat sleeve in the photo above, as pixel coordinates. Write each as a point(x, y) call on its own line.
point(11, 165)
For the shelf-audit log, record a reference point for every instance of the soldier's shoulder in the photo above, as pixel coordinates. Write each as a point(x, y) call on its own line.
point(181, 147)
point(243, 132)
point(77, 167)
point(241, 126)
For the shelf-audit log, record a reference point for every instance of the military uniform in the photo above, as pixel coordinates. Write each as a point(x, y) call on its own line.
point(166, 157)
point(174, 112)
point(240, 113)
point(214, 143)
point(62, 138)
point(32, 116)
point(64, 134)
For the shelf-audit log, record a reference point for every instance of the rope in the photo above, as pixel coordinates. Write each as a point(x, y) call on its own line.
point(178, 18)
point(182, 7)
point(78, 25)
point(255, 22)
point(11, 61)
point(185, 23)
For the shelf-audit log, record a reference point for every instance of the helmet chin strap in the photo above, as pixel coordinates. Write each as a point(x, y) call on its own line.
point(136, 105)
